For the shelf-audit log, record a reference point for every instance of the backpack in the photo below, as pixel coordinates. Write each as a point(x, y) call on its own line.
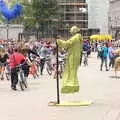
point(101, 53)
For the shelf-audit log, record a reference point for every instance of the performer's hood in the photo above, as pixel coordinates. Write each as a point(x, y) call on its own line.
point(74, 30)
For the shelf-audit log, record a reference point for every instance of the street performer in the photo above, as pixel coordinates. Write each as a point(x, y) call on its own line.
point(70, 83)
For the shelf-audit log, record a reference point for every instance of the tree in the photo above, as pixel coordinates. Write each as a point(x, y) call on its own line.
point(29, 20)
point(45, 14)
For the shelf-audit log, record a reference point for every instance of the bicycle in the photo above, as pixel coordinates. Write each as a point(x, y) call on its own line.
point(21, 78)
point(61, 66)
point(38, 65)
point(61, 62)
point(5, 70)
point(85, 58)
point(49, 66)
point(35, 67)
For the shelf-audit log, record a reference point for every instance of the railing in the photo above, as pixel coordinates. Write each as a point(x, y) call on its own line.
point(75, 20)
point(71, 12)
point(73, 3)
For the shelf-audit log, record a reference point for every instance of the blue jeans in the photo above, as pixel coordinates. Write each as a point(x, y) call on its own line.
point(103, 59)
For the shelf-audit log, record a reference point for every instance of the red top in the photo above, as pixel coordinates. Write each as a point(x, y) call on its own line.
point(48, 46)
point(15, 59)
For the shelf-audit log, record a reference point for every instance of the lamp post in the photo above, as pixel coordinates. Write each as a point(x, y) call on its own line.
point(109, 25)
point(7, 30)
point(37, 29)
point(84, 11)
point(116, 19)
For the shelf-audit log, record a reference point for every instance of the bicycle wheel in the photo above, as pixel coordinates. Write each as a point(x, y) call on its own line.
point(21, 85)
point(84, 63)
point(21, 79)
point(60, 74)
point(25, 82)
point(38, 68)
point(49, 71)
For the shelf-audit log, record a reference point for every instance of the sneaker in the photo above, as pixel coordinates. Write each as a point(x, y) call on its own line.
point(13, 88)
point(2, 78)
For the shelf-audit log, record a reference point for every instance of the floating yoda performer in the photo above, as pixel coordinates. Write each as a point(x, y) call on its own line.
point(70, 83)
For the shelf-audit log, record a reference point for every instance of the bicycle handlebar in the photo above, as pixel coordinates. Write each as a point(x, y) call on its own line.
point(20, 65)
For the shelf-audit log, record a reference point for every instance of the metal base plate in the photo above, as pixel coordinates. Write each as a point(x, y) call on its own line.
point(72, 103)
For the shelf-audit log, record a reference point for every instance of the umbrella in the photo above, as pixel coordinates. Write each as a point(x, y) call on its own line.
point(101, 37)
point(94, 37)
point(110, 37)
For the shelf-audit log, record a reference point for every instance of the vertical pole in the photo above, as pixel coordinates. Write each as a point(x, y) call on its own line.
point(58, 95)
point(37, 34)
point(7, 28)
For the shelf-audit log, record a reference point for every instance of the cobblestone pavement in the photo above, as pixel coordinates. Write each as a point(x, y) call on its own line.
point(32, 104)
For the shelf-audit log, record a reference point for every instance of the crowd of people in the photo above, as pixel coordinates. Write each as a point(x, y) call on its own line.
point(34, 55)
point(106, 52)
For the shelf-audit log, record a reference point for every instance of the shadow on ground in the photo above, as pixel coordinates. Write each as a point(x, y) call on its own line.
point(115, 77)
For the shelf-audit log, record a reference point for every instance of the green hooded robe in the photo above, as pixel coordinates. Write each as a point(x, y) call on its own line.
point(70, 83)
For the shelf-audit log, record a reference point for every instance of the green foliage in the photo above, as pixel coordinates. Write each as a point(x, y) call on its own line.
point(29, 20)
point(44, 9)
point(40, 12)
point(43, 13)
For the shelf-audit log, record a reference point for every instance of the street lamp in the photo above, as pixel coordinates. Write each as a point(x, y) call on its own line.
point(7, 30)
point(84, 11)
point(109, 25)
point(116, 26)
point(37, 29)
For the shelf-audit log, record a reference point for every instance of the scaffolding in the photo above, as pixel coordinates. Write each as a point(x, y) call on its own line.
point(71, 15)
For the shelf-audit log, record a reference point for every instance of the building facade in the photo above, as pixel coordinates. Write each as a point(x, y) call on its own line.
point(98, 15)
point(114, 18)
point(10, 31)
point(71, 14)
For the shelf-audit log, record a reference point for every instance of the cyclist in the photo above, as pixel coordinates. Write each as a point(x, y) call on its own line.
point(15, 59)
point(3, 61)
point(45, 53)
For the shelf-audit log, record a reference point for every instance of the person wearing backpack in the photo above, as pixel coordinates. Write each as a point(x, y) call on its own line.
point(111, 56)
point(103, 56)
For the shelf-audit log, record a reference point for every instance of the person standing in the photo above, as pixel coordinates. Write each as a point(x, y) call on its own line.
point(74, 45)
point(3, 62)
point(15, 59)
point(45, 53)
point(111, 56)
point(104, 55)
